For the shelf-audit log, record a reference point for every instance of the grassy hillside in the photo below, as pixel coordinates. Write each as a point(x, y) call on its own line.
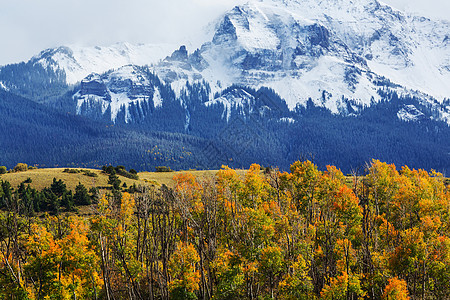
point(41, 178)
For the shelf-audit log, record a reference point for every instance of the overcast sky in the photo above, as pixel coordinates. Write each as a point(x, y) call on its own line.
point(29, 26)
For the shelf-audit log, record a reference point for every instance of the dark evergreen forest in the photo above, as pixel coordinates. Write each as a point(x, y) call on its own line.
point(184, 133)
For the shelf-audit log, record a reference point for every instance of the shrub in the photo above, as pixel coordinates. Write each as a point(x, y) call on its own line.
point(20, 167)
point(89, 173)
point(71, 171)
point(108, 169)
point(120, 170)
point(3, 170)
point(163, 169)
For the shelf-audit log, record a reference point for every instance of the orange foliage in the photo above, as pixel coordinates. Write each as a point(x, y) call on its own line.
point(396, 290)
point(299, 235)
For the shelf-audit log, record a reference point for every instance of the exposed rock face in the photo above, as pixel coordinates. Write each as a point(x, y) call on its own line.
point(111, 94)
point(197, 61)
point(329, 51)
point(179, 55)
point(226, 33)
point(93, 85)
point(410, 113)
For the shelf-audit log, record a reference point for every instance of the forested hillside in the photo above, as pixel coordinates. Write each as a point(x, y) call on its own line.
point(39, 135)
point(260, 129)
point(303, 234)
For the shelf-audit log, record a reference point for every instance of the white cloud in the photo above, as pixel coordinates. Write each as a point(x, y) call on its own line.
point(429, 8)
point(29, 26)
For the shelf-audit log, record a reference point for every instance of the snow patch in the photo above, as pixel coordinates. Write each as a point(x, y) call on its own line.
point(3, 86)
point(157, 100)
point(91, 101)
point(288, 120)
point(235, 100)
point(409, 113)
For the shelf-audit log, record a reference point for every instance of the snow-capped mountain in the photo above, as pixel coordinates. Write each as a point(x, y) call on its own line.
point(78, 62)
point(326, 50)
point(303, 48)
point(267, 44)
point(334, 52)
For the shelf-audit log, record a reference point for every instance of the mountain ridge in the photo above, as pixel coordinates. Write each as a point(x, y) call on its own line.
point(299, 48)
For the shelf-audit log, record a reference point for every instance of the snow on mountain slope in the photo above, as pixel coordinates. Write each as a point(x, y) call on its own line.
point(239, 100)
point(115, 91)
point(410, 50)
point(409, 113)
point(329, 51)
point(269, 44)
point(78, 62)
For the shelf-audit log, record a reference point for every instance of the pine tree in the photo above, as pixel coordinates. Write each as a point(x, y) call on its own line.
point(81, 196)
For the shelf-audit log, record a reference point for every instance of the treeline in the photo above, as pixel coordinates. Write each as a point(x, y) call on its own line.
point(120, 170)
point(53, 199)
point(305, 234)
point(56, 198)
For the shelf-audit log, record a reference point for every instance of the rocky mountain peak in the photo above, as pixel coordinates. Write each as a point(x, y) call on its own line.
point(323, 50)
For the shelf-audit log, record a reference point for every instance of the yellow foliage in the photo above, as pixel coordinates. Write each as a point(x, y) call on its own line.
point(182, 268)
point(127, 207)
point(346, 255)
point(342, 285)
point(260, 235)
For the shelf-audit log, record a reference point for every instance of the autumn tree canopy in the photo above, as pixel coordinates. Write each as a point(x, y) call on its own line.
point(303, 234)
